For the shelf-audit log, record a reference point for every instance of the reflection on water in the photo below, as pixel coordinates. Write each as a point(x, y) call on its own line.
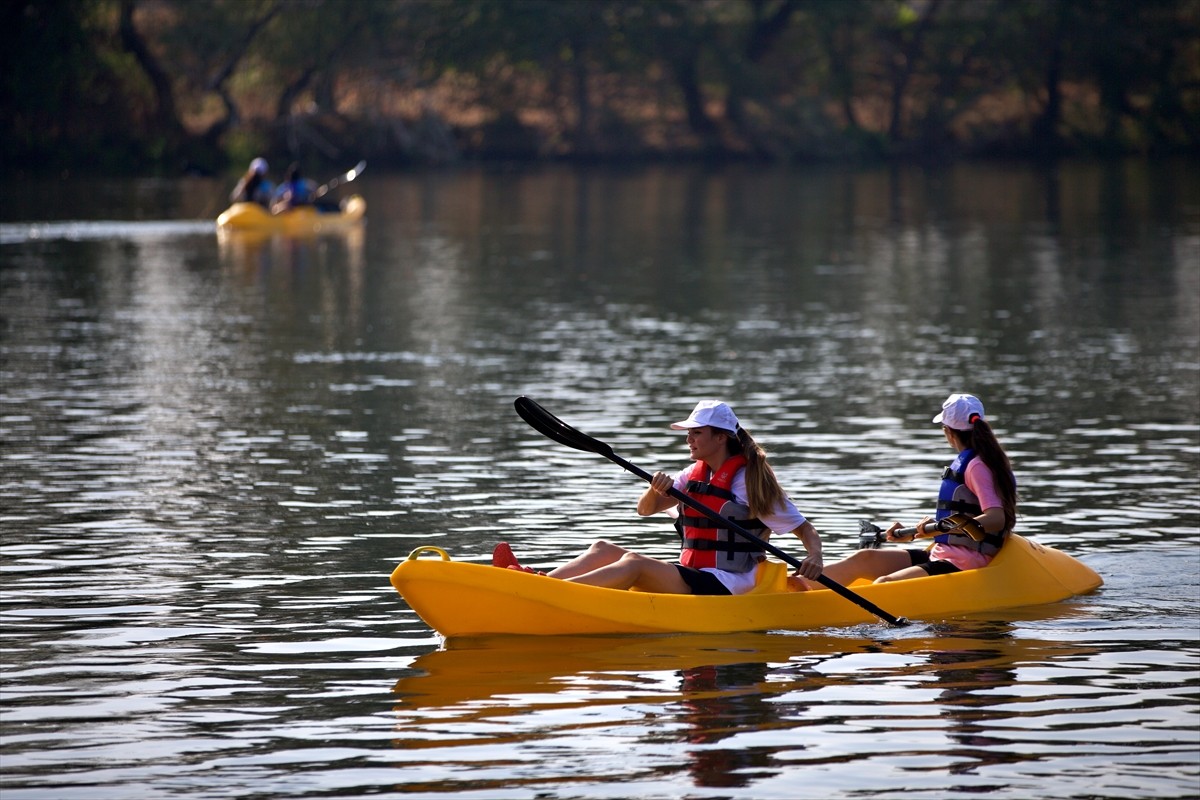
point(213, 451)
point(964, 707)
point(102, 230)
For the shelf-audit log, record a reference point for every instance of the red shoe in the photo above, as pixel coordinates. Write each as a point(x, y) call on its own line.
point(503, 556)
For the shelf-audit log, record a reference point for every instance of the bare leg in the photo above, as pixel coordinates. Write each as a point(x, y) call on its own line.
point(903, 575)
point(869, 564)
point(635, 570)
point(600, 554)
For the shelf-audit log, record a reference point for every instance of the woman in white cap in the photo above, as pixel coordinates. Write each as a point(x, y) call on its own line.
point(253, 186)
point(979, 483)
point(729, 474)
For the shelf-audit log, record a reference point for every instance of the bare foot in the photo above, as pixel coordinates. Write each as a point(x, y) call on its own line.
point(795, 583)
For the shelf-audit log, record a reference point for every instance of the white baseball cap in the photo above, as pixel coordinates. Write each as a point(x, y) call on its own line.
point(259, 165)
point(709, 412)
point(959, 412)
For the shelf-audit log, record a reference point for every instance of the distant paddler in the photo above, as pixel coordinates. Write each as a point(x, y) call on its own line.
point(294, 190)
point(254, 186)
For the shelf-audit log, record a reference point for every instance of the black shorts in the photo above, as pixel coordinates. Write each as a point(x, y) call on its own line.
point(701, 582)
point(920, 558)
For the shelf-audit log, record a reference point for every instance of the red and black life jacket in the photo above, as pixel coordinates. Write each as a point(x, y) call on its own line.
point(707, 543)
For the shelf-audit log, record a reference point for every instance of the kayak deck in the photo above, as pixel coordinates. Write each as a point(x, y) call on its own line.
point(300, 220)
point(466, 599)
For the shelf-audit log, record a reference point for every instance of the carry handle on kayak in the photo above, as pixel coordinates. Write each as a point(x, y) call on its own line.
point(554, 428)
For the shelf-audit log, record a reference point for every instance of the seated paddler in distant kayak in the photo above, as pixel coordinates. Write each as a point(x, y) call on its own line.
point(254, 186)
point(730, 475)
point(293, 191)
point(979, 483)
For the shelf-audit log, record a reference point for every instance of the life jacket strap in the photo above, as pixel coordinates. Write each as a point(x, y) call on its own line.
point(704, 487)
point(956, 506)
point(725, 547)
point(706, 522)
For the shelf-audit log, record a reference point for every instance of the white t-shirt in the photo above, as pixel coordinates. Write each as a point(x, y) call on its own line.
point(784, 519)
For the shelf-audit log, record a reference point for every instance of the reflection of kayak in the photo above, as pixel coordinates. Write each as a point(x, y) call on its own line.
point(469, 669)
point(246, 246)
point(477, 668)
point(301, 220)
point(463, 599)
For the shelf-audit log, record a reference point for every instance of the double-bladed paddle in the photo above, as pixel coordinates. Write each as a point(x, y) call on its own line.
point(345, 177)
point(871, 535)
point(554, 428)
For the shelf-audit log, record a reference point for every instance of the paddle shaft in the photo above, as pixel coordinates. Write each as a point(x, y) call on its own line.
point(828, 583)
point(345, 177)
point(956, 523)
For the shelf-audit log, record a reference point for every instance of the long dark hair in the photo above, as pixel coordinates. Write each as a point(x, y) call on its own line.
point(763, 492)
point(983, 441)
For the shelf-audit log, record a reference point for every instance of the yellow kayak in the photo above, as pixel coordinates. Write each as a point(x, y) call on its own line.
point(301, 220)
point(466, 599)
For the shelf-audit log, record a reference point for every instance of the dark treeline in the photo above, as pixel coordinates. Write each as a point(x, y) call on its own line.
point(169, 85)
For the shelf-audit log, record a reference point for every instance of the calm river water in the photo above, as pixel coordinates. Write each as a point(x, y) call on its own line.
point(213, 452)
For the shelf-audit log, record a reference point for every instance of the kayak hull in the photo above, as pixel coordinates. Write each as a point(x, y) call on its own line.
point(466, 599)
point(296, 221)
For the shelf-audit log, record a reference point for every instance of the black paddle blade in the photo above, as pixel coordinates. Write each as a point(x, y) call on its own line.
point(870, 535)
point(554, 428)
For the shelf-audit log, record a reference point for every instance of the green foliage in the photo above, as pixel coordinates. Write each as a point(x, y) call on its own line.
point(245, 144)
point(757, 78)
point(62, 104)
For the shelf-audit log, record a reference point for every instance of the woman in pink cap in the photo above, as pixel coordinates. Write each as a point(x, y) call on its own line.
point(729, 474)
point(979, 483)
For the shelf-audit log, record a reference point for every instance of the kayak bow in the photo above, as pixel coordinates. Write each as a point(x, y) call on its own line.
point(466, 599)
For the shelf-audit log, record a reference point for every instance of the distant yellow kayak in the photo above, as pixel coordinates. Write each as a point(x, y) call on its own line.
point(300, 220)
point(466, 599)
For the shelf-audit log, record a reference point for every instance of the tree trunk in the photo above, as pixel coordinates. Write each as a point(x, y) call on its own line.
point(217, 82)
point(166, 117)
point(584, 140)
point(762, 36)
point(904, 63)
point(685, 70)
point(1044, 131)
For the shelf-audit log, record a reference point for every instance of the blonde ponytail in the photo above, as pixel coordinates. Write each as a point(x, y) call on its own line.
point(763, 492)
